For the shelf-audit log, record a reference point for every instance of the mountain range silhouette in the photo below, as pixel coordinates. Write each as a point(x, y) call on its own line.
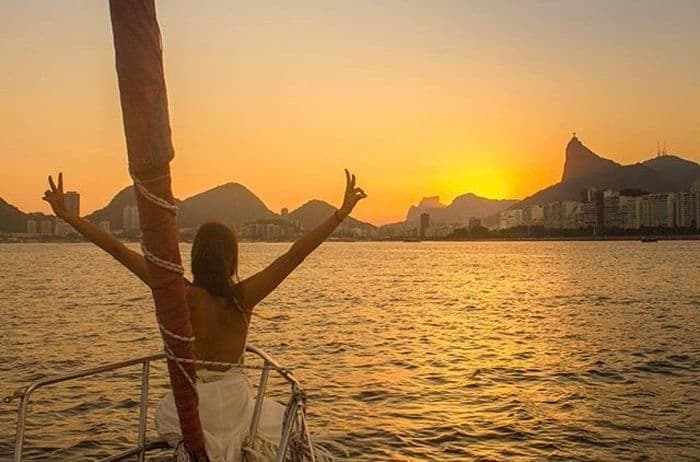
point(235, 204)
point(584, 169)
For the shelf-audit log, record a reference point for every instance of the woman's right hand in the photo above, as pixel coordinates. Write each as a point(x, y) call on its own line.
point(353, 195)
point(55, 197)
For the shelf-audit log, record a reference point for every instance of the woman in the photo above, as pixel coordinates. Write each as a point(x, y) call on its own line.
point(220, 310)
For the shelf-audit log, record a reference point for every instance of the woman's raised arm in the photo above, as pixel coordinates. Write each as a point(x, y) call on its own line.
point(257, 287)
point(104, 240)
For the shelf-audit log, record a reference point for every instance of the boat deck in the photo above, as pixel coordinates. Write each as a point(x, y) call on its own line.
point(293, 420)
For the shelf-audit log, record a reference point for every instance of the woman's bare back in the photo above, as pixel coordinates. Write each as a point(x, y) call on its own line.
point(220, 329)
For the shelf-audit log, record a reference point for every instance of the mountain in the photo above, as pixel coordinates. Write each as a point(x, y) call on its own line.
point(675, 169)
point(12, 219)
point(636, 176)
point(581, 161)
point(661, 174)
point(460, 210)
point(231, 203)
point(114, 211)
point(315, 211)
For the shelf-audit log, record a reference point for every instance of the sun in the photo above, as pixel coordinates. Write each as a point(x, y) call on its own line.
point(491, 183)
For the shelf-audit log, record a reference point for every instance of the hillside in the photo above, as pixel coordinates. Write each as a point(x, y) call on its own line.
point(312, 213)
point(114, 211)
point(12, 219)
point(231, 203)
point(580, 162)
point(660, 174)
point(636, 176)
point(460, 210)
point(680, 171)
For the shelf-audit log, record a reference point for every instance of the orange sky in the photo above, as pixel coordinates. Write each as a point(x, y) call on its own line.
point(418, 98)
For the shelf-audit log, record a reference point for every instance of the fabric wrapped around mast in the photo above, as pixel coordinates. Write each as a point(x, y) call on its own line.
point(139, 63)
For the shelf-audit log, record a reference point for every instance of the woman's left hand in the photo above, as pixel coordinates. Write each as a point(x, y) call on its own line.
point(55, 197)
point(353, 195)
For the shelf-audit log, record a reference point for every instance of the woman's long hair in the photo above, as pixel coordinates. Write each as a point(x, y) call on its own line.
point(215, 262)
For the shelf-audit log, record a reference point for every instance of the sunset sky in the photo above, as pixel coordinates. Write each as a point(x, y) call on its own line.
point(418, 98)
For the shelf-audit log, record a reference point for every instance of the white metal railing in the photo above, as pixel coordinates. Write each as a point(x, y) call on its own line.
point(294, 406)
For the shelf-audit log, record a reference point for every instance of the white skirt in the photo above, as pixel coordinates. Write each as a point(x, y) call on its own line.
point(226, 403)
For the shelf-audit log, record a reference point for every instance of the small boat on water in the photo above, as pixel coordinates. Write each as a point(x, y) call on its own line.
point(649, 239)
point(411, 239)
point(295, 441)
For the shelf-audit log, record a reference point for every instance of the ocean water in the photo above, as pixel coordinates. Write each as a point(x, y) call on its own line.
point(408, 351)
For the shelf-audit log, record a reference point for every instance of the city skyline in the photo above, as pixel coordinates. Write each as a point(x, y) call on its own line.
point(452, 98)
point(579, 161)
point(598, 212)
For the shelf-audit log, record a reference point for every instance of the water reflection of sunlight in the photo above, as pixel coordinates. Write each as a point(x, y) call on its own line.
point(430, 350)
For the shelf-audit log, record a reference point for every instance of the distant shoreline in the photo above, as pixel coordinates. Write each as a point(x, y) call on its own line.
point(680, 237)
point(653, 238)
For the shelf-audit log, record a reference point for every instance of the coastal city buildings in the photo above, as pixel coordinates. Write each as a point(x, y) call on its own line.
point(474, 223)
point(46, 227)
point(283, 228)
point(512, 218)
point(32, 227)
point(695, 190)
point(630, 211)
point(611, 209)
point(658, 211)
point(424, 225)
point(598, 211)
point(130, 218)
point(608, 210)
point(439, 230)
point(72, 199)
point(572, 215)
point(684, 210)
point(534, 215)
point(61, 228)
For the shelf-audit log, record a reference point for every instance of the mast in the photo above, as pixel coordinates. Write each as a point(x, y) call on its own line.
point(139, 62)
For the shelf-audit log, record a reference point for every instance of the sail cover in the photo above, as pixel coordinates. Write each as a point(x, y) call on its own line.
point(139, 62)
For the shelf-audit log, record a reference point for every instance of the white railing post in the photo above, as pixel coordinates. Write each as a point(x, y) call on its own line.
point(21, 418)
point(143, 410)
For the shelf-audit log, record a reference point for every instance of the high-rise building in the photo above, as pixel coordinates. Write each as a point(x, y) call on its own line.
point(590, 215)
point(61, 228)
point(511, 218)
point(684, 209)
point(645, 212)
point(424, 225)
point(662, 210)
point(46, 227)
point(130, 217)
point(571, 215)
point(630, 212)
point(534, 215)
point(72, 199)
point(695, 191)
point(563, 215)
point(611, 209)
point(593, 209)
point(589, 194)
point(552, 215)
point(272, 232)
point(474, 223)
point(32, 227)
